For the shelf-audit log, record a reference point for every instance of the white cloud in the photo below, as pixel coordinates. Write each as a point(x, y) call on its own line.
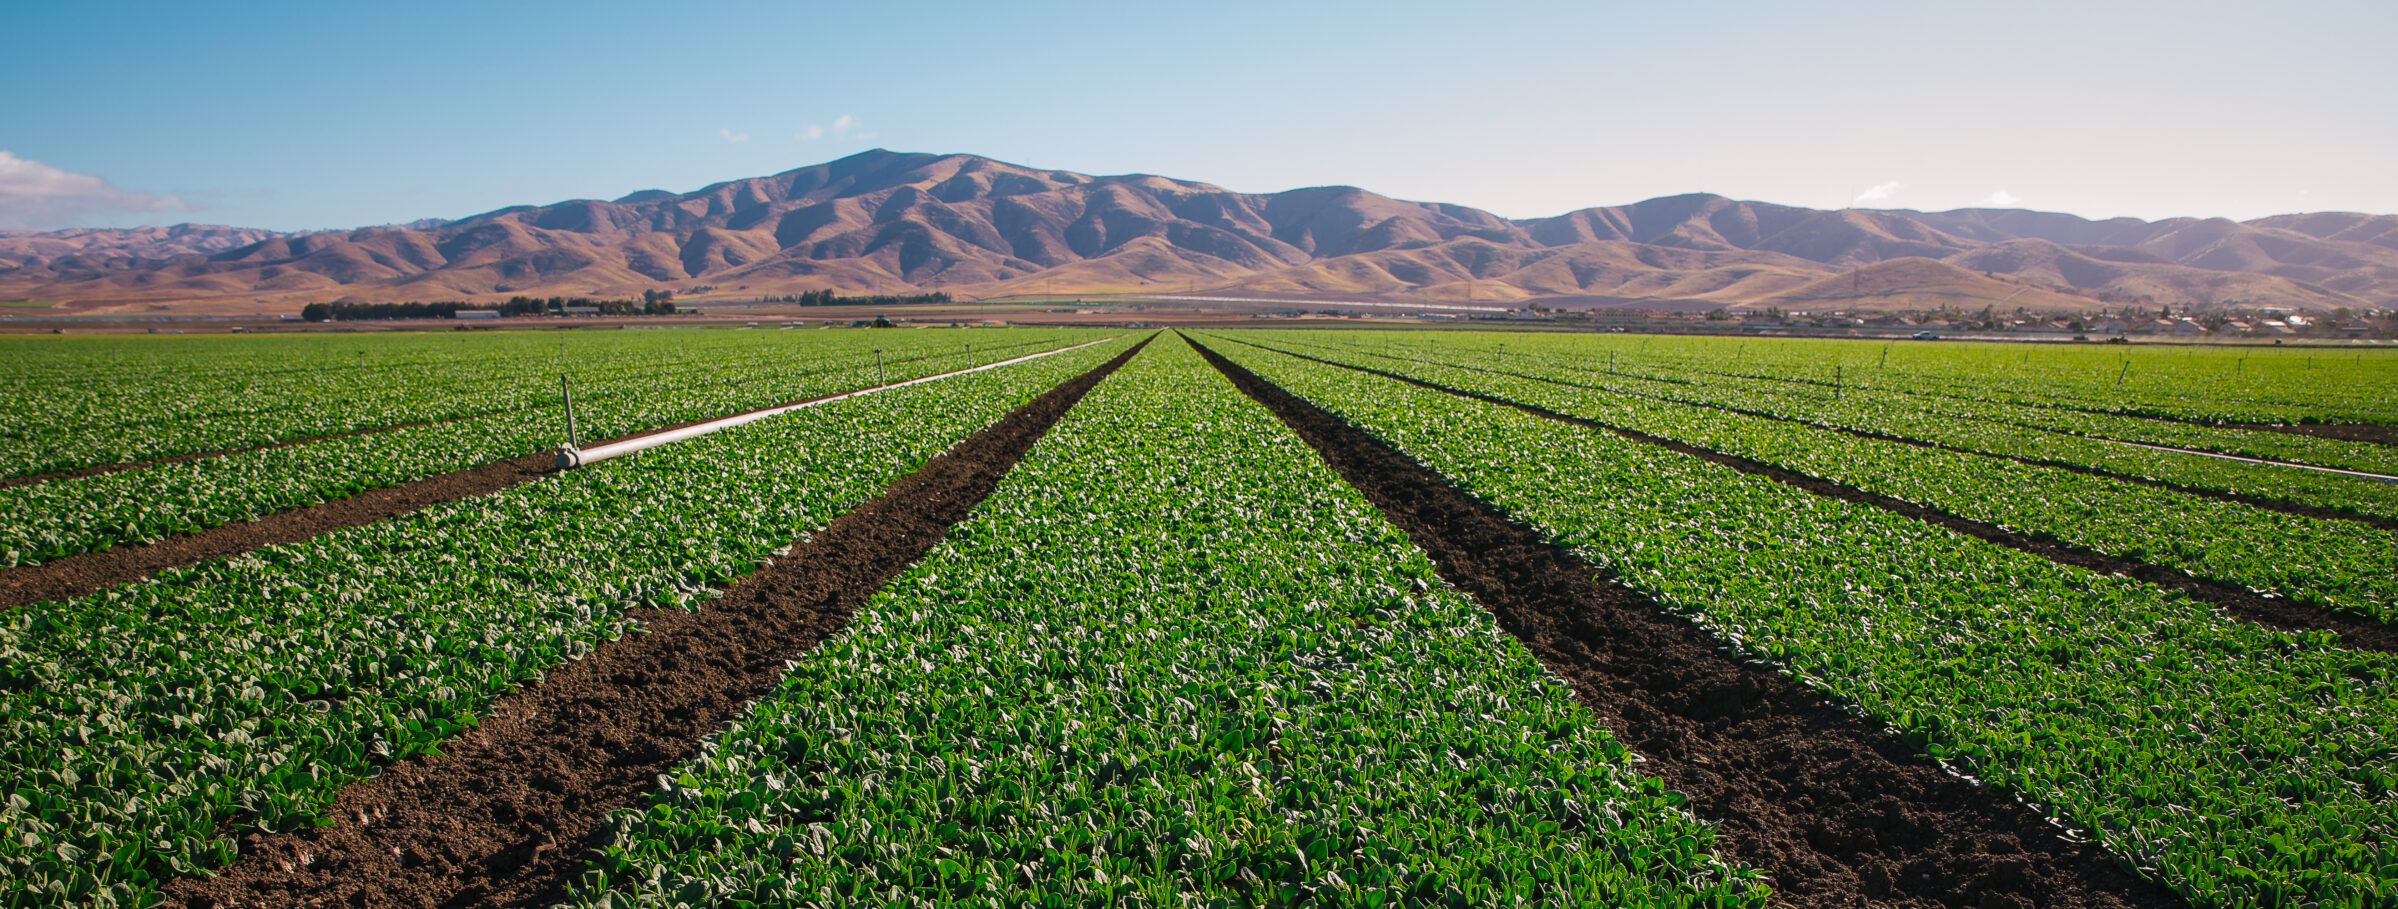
point(2002, 199)
point(733, 137)
point(34, 194)
point(1878, 193)
point(845, 127)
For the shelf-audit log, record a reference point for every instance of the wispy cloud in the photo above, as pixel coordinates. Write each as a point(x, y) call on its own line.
point(733, 137)
point(34, 194)
point(844, 127)
point(1878, 193)
point(2002, 199)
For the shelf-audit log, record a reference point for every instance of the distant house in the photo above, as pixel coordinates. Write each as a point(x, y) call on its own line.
point(2356, 328)
point(2236, 327)
point(2108, 327)
point(2187, 328)
point(2151, 327)
point(2274, 327)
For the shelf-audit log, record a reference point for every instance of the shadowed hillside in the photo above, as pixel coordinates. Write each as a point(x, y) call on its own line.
point(883, 221)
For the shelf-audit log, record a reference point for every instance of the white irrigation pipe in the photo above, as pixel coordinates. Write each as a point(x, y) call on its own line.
point(570, 457)
point(2376, 477)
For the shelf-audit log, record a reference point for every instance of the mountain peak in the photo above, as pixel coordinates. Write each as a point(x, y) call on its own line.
point(881, 220)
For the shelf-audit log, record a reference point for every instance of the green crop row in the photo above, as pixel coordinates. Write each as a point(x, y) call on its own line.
point(1943, 422)
point(44, 521)
point(2334, 564)
point(2195, 383)
point(2240, 766)
point(1994, 400)
point(183, 396)
point(1171, 661)
point(143, 727)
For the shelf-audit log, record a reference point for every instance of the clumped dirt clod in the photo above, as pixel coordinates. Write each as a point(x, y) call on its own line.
point(1840, 813)
point(510, 811)
point(2355, 631)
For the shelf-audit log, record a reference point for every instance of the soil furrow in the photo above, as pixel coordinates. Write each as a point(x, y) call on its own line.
point(122, 466)
point(2285, 506)
point(510, 811)
point(1840, 813)
point(2358, 632)
point(2351, 432)
point(83, 573)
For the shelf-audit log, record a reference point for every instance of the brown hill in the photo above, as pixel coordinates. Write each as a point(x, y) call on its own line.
point(882, 221)
point(98, 249)
point(1922, 284)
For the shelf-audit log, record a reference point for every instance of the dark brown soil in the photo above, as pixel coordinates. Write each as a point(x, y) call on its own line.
point(2353, 432)
point(84, 573)
point(2268, 503)
point(2358, 632)
point(96, 470)
point(1838, 812)
point(510, 811)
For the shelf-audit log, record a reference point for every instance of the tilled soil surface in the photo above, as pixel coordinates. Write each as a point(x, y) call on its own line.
point(510, 811)
point(2355, 631)
point(2353, 432)
point(84, 573)
point(2268, 503)
point(1838, 812)
point(96, 470)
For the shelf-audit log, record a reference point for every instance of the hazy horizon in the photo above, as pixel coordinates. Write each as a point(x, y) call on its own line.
point(291, 117)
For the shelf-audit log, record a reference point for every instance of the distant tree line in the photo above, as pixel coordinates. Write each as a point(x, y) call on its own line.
point(652, 303)
point(830, 297)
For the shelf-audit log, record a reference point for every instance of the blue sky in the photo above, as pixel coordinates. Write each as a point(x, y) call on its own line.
point(324, 115)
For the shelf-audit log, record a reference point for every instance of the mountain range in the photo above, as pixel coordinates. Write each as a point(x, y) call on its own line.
point(882, 221)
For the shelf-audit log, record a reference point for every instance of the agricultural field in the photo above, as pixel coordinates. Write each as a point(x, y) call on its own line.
point(1240, 618)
